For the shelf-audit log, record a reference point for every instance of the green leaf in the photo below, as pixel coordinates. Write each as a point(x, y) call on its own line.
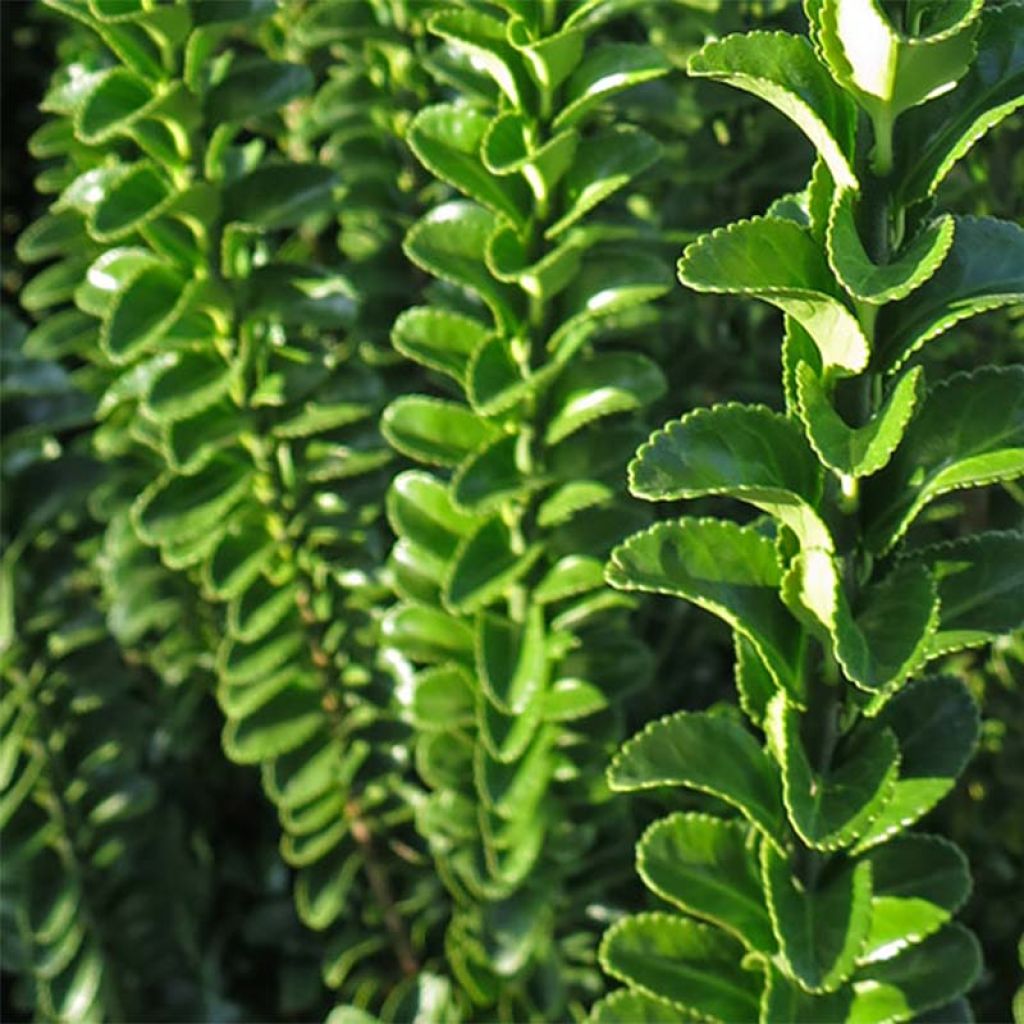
point(932, 138)
point(729, 570)
point(695, 967)
point(484, 37)
point(935, 721)
point(514, 791)
point(878, 284)
point(131, 202)
point(918, 883)
point(628, 1007)
point(447, 139)
point(283, 723)
point(604, 384)
point(322, 890)
point(439, 339)
point(783, 70)
point(187, 383)
point(576, 496)
point(511, 658)
point(451, 242)
point(107, 277)
point(427, 634)
point(569, 576)
point(551, 59)
point(706, 753)
point(785, 1000)
point(255, 86)
point(56, 233)
point(886, 70)
point(707, 867)
point(855, 451)
point(980, 580)
point(603, 164)
point(779, 261)
point(485, 566)
point(280, 195)
point(820, 929)
point(745, 452)
point(968, 432)
point(917, 979)
point(606, 70)
point(117, 100)
point(443, 698)
point(490, 475)
point(882, 640)
point(831, 807)
point(433, 430)
point(142, 312)
point(420, 509)
point(754, 683)
point(983, 271)
point(494, 380)
point(175, 509)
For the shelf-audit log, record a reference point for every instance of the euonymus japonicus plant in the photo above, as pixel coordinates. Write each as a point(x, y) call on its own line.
point(513, 655)
point(237, 403)
point(86, 795)
point(806, 895)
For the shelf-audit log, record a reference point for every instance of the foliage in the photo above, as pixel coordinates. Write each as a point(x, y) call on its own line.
point(348, 317)
point(822, 904)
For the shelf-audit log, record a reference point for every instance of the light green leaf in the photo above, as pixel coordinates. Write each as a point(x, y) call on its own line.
point(887, 637)
point(427, 635)
point(820, 929)
point(707, 866)
point(969, 432)
point(983, 271)
point(875, 283)
point(831, 807)
point(142, 312)
point(443, 698)
point(745, 452)
point(485, 39)
point(604, 163)
point(281, 724)
point(696, 967)
point(511, 658)
point(513, 791)
point(485, 566)
point(187, 383)
point(754, 683)
point(935, 721)
point(435, 431)
point(783, 70)
point(56, 233)
point(606, 70)
point(176, 509)
point(729, 570)
point(420, 509)
point(551, 58)
point(451, 242)
point(604, 384)
point(439, 339)
point(855, 451)
point(779, 261)
point(887, 70)
point(107, 277)
point(932, 138)
point(918, 883)
point(569, 576)
point(628, 1007)
point(576, 496)
point(447, 139)
point(917, 979)
point(980, 581)
point(706, 753)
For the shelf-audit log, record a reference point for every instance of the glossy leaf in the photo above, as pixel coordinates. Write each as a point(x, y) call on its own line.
point(779, 262)
point(935, 721)
point(820, 930)
point(832, 807)
point(710, 754)
point(280, 195)
point(729, 570)
point(510, 659)
point(434, 431)
point(783, 70)
point(707, 867)
point(968, 432)
point(693, 966)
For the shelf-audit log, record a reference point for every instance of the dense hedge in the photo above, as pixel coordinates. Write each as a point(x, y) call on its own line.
point(334, 337)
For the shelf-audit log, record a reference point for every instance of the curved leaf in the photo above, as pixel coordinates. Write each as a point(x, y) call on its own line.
point(707, 753)
point(434, 431)
point(779, 261)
